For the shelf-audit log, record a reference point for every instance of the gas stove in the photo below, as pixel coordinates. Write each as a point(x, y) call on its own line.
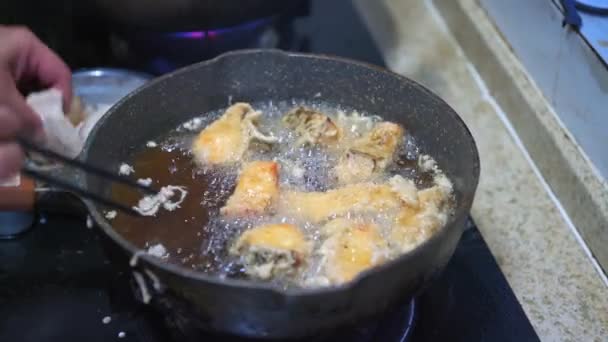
point(57, 285)
point(306, 28)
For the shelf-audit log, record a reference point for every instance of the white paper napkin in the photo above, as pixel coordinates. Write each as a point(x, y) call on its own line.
point(61, 135)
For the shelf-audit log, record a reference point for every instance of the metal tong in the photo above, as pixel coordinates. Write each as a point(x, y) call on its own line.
point(106, 175)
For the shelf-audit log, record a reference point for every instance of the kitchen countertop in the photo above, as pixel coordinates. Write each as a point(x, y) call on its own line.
point(551, 271)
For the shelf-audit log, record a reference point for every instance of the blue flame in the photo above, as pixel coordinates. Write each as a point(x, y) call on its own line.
point(211, 34)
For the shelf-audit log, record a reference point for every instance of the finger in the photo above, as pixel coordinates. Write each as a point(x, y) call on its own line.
point(10, 124)
point(49, 69)
point(32, 59)
point(11, 158)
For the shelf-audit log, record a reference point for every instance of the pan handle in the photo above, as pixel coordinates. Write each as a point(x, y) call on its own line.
point(17, 194)
point(21, 197)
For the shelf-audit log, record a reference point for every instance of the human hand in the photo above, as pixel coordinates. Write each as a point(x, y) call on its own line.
point(24, 59)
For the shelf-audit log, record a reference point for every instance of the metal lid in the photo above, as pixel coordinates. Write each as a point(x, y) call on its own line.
point(101, 88)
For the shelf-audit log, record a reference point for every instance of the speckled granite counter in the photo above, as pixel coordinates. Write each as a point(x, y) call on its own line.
point(550, 270)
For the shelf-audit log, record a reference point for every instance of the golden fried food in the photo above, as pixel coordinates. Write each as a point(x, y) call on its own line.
point(353, 167)
point(360, 198)
point(226, 139)
point(271, 250)
point(256, 190)
point(350, 248)
point(370, 154)
point(312, 127)
point(416, 223)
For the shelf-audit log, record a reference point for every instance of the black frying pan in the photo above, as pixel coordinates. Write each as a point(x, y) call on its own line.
point(259, 310)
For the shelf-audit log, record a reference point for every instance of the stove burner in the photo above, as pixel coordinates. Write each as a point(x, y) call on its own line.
point(160, 53)
point(164, 52)
point(219, 33)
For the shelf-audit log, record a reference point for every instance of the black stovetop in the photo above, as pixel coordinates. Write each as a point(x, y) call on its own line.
point(56, 285)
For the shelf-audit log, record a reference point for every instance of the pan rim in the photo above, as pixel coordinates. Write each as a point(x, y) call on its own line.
point(181, 271)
